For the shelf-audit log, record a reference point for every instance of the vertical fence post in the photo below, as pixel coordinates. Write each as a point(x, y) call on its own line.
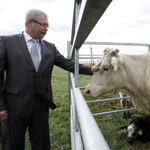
point(76, 67)
point(92, 61)
point(69, 46)
point(148, 48)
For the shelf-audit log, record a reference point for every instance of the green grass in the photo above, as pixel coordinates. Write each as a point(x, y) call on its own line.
point(59, 118)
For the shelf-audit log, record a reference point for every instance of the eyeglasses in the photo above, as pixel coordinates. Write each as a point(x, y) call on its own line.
point(42, 24)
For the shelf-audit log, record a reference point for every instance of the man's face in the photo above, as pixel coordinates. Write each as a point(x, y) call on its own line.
point(37, 30)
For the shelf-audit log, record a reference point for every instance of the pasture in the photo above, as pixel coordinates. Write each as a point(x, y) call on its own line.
point(110, 125)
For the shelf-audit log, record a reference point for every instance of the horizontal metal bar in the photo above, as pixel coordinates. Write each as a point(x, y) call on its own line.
point(89, 57)
point(83, 82)
point(113, 112)
point(81, 87)
point(89, 14)
point(116, 43)
point(106, 100)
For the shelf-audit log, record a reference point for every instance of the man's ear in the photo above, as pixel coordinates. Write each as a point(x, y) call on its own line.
point(116, 62)
point(124, 129)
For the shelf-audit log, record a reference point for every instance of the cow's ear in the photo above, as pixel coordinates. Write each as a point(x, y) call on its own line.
point(139, 131)
point(124, 129)
point(116, 62)
point(114, 52)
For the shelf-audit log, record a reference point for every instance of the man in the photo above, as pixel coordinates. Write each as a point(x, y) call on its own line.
point(26, 93)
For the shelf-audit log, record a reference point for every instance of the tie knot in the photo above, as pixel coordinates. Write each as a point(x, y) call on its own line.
point(34, 40)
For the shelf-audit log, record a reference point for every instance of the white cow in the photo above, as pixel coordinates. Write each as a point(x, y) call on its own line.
point(125, 73)
point(124, 102)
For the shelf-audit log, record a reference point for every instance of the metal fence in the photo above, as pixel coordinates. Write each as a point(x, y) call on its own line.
point(82, 123)
point(85, 133)
point(97, 57)
point(81, 117)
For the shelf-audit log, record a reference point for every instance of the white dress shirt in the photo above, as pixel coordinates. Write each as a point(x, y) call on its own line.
point(29, 44)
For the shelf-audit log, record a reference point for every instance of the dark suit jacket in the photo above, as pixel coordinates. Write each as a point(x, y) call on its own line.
point(22, 84)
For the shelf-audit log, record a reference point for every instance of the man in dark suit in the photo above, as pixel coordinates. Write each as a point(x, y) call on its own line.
point(26, 93)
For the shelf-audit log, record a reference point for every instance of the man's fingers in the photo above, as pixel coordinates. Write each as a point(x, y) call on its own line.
point(99, 63)
point(3, 115)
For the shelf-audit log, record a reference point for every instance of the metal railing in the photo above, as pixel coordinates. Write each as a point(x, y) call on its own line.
point(83, 123)
point(81, 114)
point(111, 99)
point(85, 133)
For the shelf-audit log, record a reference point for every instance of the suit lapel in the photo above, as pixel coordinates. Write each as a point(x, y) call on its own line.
point(22, 44)
point(43, 51)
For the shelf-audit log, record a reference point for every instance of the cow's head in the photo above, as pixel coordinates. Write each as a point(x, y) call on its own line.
point(132, 131)
point(105, 81)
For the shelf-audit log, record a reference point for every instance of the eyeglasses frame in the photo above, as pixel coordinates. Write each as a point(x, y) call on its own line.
point(43, 25)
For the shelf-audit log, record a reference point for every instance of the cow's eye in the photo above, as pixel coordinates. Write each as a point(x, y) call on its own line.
point(105, 69)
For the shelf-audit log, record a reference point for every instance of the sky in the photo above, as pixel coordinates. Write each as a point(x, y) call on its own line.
point(123, 21)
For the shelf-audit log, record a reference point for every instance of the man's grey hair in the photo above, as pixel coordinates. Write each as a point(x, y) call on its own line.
point(34, 14)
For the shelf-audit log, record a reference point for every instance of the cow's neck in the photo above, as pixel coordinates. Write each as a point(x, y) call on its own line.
point(137, 80)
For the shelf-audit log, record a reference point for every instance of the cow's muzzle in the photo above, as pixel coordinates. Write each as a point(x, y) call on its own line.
point(87, 91)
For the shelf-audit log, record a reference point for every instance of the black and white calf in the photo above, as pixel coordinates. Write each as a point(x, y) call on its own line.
point(138, 129)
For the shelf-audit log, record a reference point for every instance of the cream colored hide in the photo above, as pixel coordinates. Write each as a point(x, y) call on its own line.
point(125, 73)
point(125, 103)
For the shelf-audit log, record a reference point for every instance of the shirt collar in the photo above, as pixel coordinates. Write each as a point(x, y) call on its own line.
point(27, 37)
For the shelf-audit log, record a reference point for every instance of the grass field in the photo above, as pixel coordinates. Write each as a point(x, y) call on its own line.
point(109, 125)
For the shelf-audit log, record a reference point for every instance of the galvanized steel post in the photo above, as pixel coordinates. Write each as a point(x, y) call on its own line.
point(148, 48)
point(76, 66)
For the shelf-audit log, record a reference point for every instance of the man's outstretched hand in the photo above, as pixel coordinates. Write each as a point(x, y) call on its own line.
point(96, 67)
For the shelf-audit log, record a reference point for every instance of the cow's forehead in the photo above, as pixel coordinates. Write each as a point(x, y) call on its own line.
point(131, 126)
point(110, 51)
point(106, 60)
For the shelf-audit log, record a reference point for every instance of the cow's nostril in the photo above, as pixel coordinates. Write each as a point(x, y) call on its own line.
point(87, 92)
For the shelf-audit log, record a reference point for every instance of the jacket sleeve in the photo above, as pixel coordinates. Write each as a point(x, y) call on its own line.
point(68, 64)
point(2, 68)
